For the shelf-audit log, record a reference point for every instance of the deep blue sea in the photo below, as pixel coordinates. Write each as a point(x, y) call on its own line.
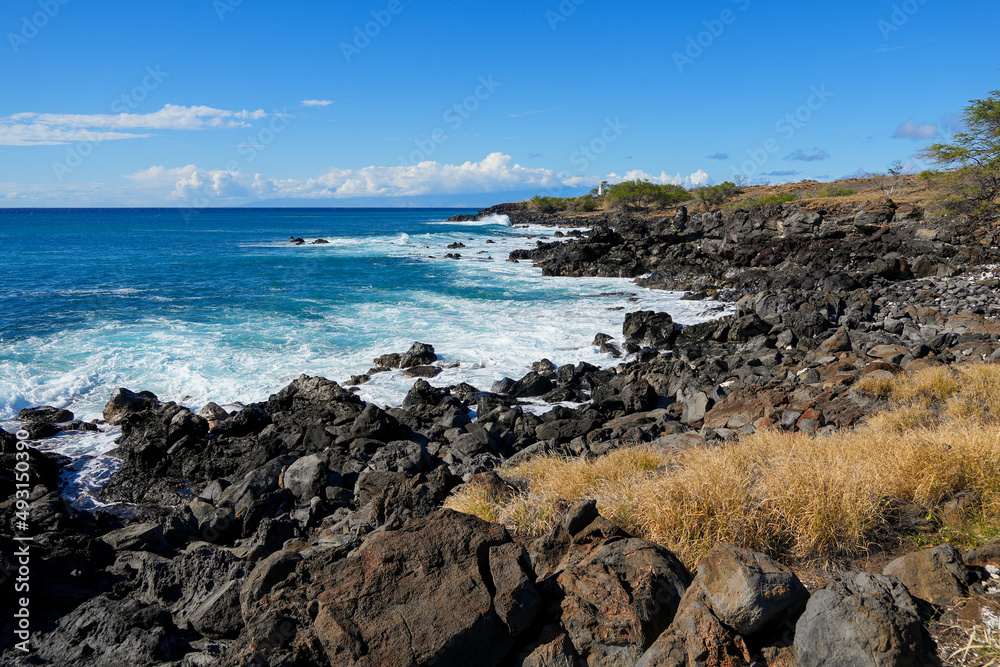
point(219, 305)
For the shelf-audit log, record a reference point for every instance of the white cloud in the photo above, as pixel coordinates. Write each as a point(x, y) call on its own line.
point(161, 176)
point(916, 131)
point(495, 173)
point(216, 184)
point(191, 185)
point(581, 181)
point(694, 180)
point(316, 103)
point(47, 129)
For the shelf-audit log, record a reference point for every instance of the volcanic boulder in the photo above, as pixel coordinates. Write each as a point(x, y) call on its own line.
point(862, 619)
point(649, 328)
point(449, 589)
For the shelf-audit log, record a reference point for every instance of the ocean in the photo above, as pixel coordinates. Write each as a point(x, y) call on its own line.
point(219, 305)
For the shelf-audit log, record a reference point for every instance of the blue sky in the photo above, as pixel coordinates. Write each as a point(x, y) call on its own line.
point(403, 102)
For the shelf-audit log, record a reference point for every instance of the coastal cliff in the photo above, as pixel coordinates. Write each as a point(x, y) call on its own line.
point(308, 529)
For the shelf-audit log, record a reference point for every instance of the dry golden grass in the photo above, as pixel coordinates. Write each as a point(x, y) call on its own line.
point(787, 495)
point(480, 501)
point(926, 389)
point(553, 481)
point(875, 387)
point(979, 397)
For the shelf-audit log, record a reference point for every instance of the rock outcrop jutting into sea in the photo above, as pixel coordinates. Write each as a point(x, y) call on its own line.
point(309, 529)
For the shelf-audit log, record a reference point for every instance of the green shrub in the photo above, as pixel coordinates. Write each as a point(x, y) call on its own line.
point(836, 192)
point(549, 204)
point(644, 194)
point(716, 195)
point(768, 200)
point(586, 203)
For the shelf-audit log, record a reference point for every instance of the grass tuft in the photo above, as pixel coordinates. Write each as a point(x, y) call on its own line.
point(788, 495)
point(874, 387)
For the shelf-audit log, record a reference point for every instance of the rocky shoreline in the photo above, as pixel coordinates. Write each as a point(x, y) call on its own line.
point(308, 529)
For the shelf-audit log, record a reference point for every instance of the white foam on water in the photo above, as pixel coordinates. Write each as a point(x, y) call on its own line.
point(478, 339)
point(332, 243)
point(495, 220)
point(90, 468)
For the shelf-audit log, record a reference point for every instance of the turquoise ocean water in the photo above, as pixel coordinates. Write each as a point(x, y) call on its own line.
point(219, 306)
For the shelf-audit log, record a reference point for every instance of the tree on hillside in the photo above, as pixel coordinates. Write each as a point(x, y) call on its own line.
point(888, 180)
point(548, 204)
point(643, 194)
point(975, 157)
point(713, 196)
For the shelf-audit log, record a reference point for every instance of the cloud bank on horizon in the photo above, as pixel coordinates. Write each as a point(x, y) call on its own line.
point(496, 173)
point(191, 186)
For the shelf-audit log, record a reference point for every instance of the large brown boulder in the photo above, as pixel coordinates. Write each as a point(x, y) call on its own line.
point(450, 589)
point(748, 591)
point(840, 341)
point(697, 638)
point(612, 594)
point(736, 594)
point(937, 575)
point(125, 402)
